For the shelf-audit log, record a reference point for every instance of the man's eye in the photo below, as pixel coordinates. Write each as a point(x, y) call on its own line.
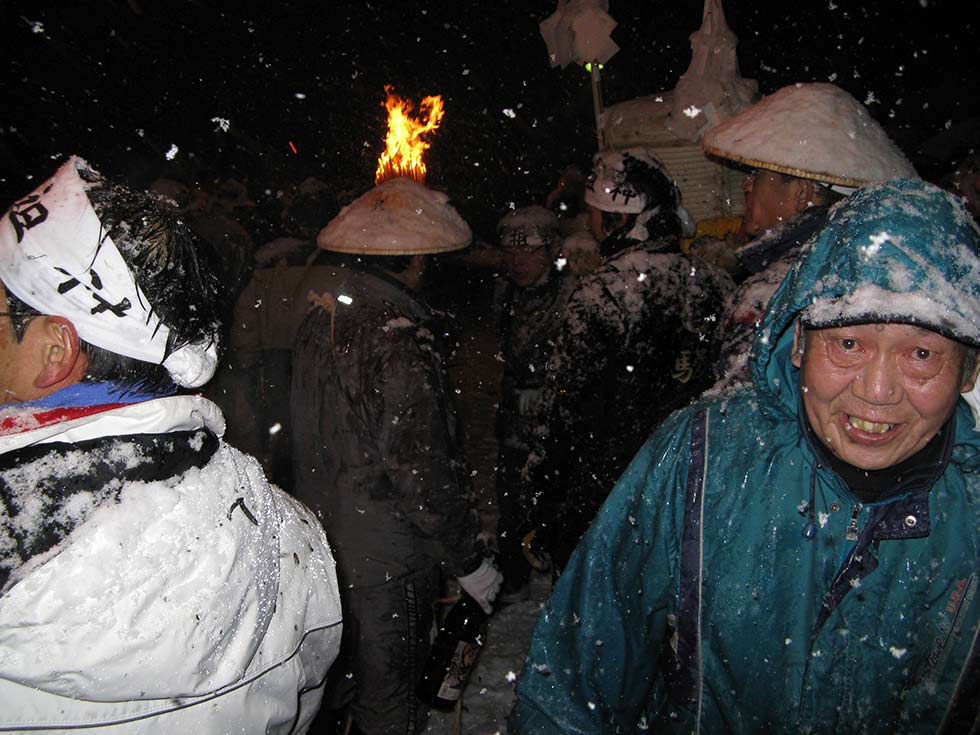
point(921, 353)
point(848, 344)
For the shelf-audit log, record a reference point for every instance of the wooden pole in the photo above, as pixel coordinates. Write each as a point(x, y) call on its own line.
point(458, 723)
point(597, 103)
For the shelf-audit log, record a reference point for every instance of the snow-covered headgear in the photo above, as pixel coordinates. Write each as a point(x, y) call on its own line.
point(528, 229)
point(812, 131)
point(902, 251)
point(397, 217)
point(57, 257)
point(633, 181)
point(616, 183)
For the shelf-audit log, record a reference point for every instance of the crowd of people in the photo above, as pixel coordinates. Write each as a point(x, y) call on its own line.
point(234, 486)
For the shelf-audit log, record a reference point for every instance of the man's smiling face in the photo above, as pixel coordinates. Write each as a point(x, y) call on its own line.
point(876, 394)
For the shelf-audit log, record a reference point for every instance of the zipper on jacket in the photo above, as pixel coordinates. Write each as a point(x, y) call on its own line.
point(851, 532)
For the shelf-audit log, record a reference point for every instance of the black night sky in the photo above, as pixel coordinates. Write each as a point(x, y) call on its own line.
point(121, 82)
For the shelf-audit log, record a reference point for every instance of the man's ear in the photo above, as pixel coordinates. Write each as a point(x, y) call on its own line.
point(970, 380)
point(62, 361)
point(806, 194)
point(797, 356)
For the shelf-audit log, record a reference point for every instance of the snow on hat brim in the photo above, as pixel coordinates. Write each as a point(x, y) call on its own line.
point(812, 131)
point(396, 217)
point(56, 257)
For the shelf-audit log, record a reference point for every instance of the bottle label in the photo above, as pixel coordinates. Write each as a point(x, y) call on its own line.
point(459, 670)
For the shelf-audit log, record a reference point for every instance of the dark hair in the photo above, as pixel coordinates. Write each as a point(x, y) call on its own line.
point(173, 268)
point(20, 315)
point(969, 363)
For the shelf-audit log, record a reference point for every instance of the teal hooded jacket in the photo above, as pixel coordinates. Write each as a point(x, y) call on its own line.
point(733, 583)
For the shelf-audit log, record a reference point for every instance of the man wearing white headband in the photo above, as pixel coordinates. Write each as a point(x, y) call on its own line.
point(630, 199)
point(151, 579)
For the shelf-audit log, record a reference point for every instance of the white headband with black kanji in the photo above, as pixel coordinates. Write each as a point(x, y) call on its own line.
point(56, 257)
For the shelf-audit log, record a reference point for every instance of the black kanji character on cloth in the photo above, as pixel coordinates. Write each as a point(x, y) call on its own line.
point(27, 213)
point(101, 304)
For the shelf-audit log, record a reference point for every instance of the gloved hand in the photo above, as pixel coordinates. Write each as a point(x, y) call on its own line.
point(483, 584)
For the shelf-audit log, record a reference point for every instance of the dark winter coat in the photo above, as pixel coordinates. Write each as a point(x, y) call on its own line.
point(252, 387)
point(375, 447)
point(530, 319)
point(637, 342)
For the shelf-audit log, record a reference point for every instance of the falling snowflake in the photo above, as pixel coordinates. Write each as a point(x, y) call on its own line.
point(222, 123)
point(509, 113)
point(344, 299)
point(300, 96)
point(692, 111)
point(172, 153)
point(275, 429)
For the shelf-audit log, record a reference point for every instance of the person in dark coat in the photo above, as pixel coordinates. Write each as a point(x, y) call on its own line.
point(376, 454)
point(638, 341)
point(532, 308)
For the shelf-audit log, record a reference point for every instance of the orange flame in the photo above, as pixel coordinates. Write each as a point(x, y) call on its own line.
point(404, 146)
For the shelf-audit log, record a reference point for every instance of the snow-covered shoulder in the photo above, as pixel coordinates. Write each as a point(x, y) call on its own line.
point(181, 588)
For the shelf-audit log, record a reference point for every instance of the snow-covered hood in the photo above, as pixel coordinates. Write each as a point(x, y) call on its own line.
point(167, 592)
point(904, 251)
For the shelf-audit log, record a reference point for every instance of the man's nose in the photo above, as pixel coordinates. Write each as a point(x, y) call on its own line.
point(879, 381)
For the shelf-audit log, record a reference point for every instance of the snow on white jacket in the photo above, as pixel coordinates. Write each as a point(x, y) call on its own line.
point(206, 603)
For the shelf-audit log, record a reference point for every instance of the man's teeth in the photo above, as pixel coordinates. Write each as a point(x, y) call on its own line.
point(869, 426)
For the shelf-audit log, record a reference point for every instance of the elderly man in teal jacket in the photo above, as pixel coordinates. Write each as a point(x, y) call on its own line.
point(801, 555)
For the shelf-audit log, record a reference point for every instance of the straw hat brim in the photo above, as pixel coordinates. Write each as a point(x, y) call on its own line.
point(798, 172)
